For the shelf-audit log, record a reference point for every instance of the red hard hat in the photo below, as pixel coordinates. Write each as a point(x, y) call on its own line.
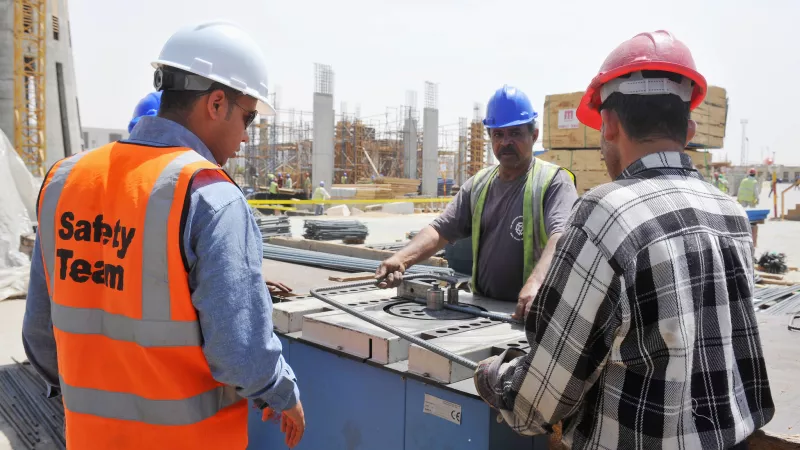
point(752, 171)
point(658, 50)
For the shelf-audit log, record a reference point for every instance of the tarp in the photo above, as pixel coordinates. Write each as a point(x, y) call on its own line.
point(18, 191)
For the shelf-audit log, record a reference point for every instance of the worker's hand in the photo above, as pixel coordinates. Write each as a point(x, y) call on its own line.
point(390, 272)
point(276, 286)
point(525, 300)
point(293, 422)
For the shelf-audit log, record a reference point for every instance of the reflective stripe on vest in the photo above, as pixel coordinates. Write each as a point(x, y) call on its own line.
point(155, 328)
point(128, 337)
point(119, 405)
point(533, 239)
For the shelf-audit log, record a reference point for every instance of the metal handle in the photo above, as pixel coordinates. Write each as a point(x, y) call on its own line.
point(319, 294)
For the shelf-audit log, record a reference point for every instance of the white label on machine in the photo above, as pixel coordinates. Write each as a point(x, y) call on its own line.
point(442, 408)
point(567, 118)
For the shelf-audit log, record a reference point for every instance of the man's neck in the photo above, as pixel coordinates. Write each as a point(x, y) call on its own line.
point(639, 150)
point(510, 174)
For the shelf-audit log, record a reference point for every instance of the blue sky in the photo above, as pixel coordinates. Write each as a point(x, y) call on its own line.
point(380, 49)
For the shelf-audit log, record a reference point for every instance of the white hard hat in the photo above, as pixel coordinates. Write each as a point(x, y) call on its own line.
point(222, 52)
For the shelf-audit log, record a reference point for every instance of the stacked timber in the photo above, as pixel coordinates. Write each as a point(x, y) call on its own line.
point(562, 130)
point(399, 187)
point(711, 117)
point(365, 191)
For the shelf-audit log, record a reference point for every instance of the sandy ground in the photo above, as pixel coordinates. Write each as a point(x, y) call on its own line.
point(782, 236)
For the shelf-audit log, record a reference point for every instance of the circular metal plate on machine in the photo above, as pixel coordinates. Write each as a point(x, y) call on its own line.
point(413, 310)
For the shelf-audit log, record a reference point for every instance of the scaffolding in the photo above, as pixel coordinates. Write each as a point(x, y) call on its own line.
point(364, 146)
point(477, 143)
point(30, 47)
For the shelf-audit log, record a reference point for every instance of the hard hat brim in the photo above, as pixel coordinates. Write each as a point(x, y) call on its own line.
point(514, 123)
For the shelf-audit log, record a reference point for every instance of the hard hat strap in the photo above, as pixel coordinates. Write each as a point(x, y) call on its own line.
point(638, 85)
point(169, 80)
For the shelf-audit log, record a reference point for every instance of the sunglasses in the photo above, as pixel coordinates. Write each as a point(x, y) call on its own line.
point(250, 117)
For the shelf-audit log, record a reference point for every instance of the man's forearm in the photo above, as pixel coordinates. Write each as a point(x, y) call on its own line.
point(540, 271)
point(424, 245)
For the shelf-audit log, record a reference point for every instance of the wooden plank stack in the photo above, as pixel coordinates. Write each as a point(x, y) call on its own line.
point(367, 191)
point(711, 117)
point(399, 187)
point(560, 125)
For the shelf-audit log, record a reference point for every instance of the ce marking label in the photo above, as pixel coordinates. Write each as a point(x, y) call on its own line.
point(438, 407)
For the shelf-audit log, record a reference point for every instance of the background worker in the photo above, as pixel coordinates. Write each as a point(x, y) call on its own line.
point(720, 182)
point(147, 106)
point(160, 347)
point(748, 190)
point(320, 194)
point(643, 334)
point(273, 187)
point(515, 212)
point(288, 183)
point(344, 178)
point(307, 185)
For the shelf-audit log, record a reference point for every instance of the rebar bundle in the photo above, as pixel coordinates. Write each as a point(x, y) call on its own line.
point(38, 420)
point(330, 230)
point(338, 262)
point(396, 246)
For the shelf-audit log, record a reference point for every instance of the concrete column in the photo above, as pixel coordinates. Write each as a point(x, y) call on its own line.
point(410, 148)
point(63, 124)
point(7, 68)
point(430, 151)
point(322, 150)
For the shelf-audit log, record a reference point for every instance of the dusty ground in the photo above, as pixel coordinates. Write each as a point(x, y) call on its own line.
point(772, 236)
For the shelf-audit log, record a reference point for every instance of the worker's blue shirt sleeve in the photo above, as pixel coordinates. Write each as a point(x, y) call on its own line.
point(223, 249)
point(37, 325)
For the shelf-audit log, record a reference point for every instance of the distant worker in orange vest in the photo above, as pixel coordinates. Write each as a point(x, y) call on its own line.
point(147, 309)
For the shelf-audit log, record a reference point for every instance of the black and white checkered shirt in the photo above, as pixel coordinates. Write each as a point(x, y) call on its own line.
point(643, 334)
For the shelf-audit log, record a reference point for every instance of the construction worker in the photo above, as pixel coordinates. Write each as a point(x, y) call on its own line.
point(720, 182)
point(643, 334)
point(147, 106)
point(273, 187)
point(320, 194)
point(288, 184)
point(748, 190)
point(515, 212)
point(147, 308)
point(307, 185)
point(344, 178)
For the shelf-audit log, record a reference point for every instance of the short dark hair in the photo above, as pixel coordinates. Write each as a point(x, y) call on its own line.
point(181, 102)
point(649, 117)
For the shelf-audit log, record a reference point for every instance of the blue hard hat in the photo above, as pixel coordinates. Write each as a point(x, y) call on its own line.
point(322, 183)
point(508, 107)
point(148, 106)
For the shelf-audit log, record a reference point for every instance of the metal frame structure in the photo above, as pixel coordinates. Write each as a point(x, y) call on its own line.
point(30, 47)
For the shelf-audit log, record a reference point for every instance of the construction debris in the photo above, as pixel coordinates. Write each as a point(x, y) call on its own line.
point(331, 230)
point(38, 420)
point(773, 262)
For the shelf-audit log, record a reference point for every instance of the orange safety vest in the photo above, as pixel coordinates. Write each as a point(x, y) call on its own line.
point(132, 370)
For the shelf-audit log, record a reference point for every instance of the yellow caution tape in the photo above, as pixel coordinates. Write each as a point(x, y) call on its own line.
point(349, 202)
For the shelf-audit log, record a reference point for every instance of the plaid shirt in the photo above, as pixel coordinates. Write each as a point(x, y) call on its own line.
point(643, 334)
